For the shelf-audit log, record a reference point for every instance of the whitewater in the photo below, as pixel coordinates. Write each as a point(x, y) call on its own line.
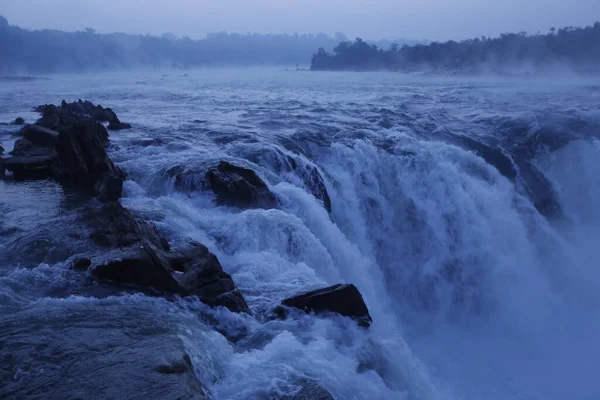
point(465, 210)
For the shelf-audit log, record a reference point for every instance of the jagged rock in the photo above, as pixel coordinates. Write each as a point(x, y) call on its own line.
point(239, 187)
point(84, 161)
point(341, 299)
point(137, 254)
point(314, 182)
point(18, 121)
point(82, 109)
point(113, 226)
point(40, 136)
point(115, 124)
point(202, 275)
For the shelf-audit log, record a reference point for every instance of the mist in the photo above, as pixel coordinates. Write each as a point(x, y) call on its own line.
point(428, 19)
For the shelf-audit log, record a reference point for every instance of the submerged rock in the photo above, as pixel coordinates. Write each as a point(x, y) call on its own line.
point(314, 182)
point(239, 187)
point(80, 263)
point(308, 173)
point(312, 391)
point(341, 299)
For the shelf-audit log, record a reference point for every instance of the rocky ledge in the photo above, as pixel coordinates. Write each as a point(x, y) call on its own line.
point(68, 143)
point(70, 147)
point(127, 250)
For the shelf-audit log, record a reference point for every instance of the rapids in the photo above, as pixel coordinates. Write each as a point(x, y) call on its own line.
point(464, 209)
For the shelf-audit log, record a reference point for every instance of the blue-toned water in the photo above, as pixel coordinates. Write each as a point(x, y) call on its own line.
point(464, 209)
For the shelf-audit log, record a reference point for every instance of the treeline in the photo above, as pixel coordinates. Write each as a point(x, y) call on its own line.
point(46, 51)
point(574, 48)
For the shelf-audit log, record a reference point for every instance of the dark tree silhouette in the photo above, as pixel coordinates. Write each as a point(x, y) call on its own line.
point(576, 48)
point(55, 51)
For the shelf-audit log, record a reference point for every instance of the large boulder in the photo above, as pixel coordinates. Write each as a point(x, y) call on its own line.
point(142, 265)
point(96, 112)
point(201, 274)
point(239, 187)
point(71, 146)
point(18, 121)
point(135, 253)
point(341, 299)
point(81, 150)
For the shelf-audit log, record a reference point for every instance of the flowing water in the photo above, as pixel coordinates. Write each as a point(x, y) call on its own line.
point(464, 209)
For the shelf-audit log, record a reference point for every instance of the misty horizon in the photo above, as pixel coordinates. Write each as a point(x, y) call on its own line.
point(431, 20)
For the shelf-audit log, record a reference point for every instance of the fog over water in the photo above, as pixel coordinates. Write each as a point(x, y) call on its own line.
point(376, 19)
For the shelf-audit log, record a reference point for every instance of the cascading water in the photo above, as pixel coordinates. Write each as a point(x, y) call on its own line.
point(474, 293)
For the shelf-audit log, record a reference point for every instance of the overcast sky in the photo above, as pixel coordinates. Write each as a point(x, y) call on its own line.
point(369, 19)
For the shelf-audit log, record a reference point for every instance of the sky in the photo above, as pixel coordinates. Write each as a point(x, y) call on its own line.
point(368, 19)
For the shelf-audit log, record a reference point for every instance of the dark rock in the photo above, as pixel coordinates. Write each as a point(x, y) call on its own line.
point(113, 226)
point(176, 367)
point(19, 121)
point(109, 187)
point(239, 187)
point(315, 184)
point(40, 136)
point(345, 300)
point(202, 275)
point(82, 154)
point(80, 263)
point(312, 391)
point(24, 163)
point(141, 264)
point(137, 254)
point(81, 109)
point(116, 125)
point(80, 143)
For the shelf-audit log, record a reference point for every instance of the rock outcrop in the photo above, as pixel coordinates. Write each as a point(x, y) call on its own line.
point(69, 147)
point(97, 113)
point(135, 253)
point(239, 187)
point(341, 299)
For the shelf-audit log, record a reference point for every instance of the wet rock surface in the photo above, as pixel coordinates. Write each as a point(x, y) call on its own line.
point(311, 391)
point(342, 299)
point(70, 147)
point(135, 253)
point(238, 187)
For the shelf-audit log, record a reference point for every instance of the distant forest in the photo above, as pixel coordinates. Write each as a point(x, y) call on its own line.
point(575, 48)
point(47, 51)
